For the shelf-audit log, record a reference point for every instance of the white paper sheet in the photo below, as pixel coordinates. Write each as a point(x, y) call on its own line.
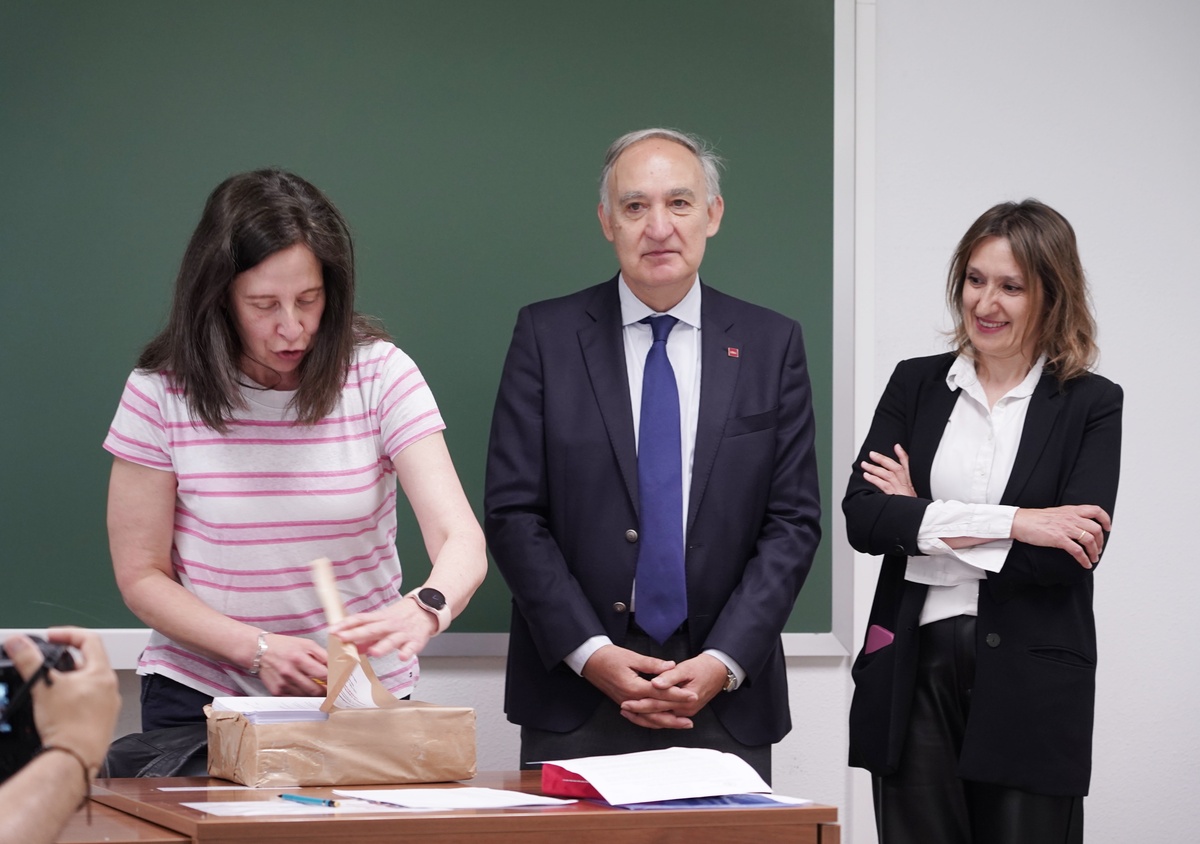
point(265, 703)
point(670, 774)
point(467, 797)
point(355, 694)
point(265, 808)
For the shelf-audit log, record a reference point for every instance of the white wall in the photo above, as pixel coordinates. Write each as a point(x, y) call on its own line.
point(1092, 106)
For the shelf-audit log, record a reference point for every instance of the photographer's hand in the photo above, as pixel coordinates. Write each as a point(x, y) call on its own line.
point(75, 710)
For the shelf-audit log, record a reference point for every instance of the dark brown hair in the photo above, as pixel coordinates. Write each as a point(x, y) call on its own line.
point(248, 218)
point(1043, 245)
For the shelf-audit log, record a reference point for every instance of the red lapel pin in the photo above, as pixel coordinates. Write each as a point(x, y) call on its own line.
point(733, 351)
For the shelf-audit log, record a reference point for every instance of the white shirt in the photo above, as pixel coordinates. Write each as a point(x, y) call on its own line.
point(684, 353)
point(969, 473)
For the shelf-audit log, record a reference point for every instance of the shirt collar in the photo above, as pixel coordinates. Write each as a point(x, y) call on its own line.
point(962, 376)
point(634, 309)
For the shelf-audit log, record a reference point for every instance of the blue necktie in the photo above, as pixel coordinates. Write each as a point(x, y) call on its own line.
point(661, 585)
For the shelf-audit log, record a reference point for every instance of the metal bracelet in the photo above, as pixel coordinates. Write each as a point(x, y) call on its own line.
point(256, 666)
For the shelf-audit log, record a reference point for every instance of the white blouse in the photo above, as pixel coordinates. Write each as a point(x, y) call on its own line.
point(969, 473)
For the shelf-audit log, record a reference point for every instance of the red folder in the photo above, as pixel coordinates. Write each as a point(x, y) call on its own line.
point(559, 782)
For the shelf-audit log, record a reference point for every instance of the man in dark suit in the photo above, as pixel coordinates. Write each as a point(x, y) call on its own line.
point(647, 612)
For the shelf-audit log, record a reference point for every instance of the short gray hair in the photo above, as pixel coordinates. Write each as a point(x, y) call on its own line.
point(710, 162)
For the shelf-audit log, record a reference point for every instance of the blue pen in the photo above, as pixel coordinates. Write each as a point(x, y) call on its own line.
point(308, 801)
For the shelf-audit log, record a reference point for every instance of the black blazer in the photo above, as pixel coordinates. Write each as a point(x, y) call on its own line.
point(1030, 724)
point(561, 501)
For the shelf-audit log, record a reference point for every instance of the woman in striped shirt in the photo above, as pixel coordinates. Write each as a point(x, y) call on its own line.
point(265, 426)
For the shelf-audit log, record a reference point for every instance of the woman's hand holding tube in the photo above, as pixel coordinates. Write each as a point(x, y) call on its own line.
point(292, 665)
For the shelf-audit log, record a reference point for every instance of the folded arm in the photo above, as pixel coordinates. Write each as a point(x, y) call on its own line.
point(1045, 545)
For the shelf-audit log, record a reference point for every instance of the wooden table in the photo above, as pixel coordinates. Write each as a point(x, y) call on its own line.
point(577, 823)
point(110, 825)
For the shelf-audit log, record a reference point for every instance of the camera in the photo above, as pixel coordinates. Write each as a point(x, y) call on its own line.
point(19, 739)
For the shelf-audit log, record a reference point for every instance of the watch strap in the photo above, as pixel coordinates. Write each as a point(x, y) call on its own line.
point(441, 614)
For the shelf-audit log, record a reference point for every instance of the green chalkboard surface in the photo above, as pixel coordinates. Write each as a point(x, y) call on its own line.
point(462, 139)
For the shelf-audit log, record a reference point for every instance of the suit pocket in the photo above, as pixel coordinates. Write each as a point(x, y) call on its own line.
point(1063, 656)
point(741, 425)
point(871, 715)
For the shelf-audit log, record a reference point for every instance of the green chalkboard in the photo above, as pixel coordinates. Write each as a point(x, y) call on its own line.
point(462, 139)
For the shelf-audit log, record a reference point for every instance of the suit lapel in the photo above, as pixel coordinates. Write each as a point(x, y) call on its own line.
point(1044, 406)
point(934, 405)
point(604, 355)
point(718, 378)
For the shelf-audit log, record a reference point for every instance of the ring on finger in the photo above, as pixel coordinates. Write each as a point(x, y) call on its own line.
point(1082, 534)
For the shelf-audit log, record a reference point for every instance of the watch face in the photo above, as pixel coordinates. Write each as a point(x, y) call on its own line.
point(432, 598)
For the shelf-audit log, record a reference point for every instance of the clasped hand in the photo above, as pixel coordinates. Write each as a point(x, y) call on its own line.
point(655, 693)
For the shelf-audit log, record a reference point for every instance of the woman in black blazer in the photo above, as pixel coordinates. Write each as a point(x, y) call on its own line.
point(987, 483)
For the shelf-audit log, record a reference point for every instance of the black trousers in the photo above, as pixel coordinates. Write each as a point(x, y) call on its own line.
point(925, 801)
point(167, 703)
point(607, 733)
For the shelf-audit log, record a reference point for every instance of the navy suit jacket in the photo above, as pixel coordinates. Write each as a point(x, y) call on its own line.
point(561, 501)
point(1030, 724)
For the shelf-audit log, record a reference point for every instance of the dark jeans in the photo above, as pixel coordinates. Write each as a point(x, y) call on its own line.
point(166, 703)
point(607, 733)
point(925, 801)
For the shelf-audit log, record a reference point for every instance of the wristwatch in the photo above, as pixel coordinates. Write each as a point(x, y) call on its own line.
point(730, 680)
point(432, 601)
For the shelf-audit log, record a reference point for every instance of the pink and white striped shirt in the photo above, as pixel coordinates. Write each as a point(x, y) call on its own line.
point(257, 503)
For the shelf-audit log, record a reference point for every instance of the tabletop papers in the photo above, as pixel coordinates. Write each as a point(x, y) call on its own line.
point(467, 797)
point(724, 801)
point(269, 808)
point(672, 774)
point(365, 801)
point(273, 710)
point(266, 709)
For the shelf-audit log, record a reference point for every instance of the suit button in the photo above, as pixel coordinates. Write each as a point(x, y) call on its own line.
point(631, 535)
point(898, 549)
point(619, 608)
point(993, 640)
